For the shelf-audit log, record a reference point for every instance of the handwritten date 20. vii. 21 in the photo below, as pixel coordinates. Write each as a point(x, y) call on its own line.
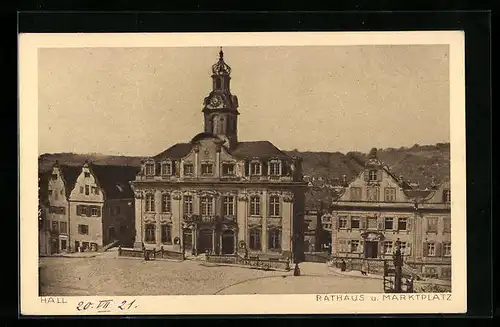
point(106, 305)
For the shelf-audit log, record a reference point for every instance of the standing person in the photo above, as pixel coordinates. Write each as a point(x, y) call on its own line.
point(343, 265)
point(364, 268)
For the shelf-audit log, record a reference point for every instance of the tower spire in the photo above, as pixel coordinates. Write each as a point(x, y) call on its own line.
point(221, 54)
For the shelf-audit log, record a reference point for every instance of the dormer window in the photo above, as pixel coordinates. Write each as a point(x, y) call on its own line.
point(228, 169)
point(447, 196)
point(255, 168)
point(54, 176)
point(166, 169)
point(372, 175)
point(274, 168)
point(207, 169)
point(149, 169)
point(188, 169)
point(87, 174)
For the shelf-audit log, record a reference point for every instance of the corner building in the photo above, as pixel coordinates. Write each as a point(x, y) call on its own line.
point(218, 195)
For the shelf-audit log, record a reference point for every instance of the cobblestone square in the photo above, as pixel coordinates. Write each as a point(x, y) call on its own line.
point(109, 275)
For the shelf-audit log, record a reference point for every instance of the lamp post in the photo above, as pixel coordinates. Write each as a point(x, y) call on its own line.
point(296, 259)
point(398, 263)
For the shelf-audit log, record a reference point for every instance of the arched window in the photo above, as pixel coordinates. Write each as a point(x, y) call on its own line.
point(150, 202)
point(274, 206)
point(216, 125)
point(150, 233)
point(221, 125)
point(166, 203)
point(274, 239)
point(254, 242)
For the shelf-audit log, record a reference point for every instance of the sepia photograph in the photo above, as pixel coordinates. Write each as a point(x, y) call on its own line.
point(247, 169)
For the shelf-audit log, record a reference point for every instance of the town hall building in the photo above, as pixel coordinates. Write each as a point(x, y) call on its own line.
point(216, 194)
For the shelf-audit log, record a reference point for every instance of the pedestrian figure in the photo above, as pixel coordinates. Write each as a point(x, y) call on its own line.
point(296, 270)
point(342, 265)
point(364, 268)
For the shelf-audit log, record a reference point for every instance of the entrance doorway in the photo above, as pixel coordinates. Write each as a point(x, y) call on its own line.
point(54, 245)
point(371, 249)
point(228, 242)
point(204, 241)
point(187, 239)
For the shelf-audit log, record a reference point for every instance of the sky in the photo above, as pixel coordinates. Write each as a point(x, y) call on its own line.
point(140, 101)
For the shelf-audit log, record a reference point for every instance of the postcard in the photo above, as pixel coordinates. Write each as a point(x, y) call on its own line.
point(242, 173)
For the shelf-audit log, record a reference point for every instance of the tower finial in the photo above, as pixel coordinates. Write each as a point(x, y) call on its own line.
point(221, 54)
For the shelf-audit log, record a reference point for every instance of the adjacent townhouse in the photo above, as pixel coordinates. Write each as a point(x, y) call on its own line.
point(88, 207)
point(377, 209)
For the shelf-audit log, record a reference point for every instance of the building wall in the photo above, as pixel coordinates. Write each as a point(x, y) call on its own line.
point(342, 236)
point(118, 221)
point(385, 181)
point(79, 197)
point(244, 221)
point(57, 213)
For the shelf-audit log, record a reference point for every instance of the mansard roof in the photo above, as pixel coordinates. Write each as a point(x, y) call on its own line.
point(176, 151)
point(243, 150)
point(258, 149)
point(114, 180)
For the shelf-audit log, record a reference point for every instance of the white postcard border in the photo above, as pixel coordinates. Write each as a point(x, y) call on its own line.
point(32, 304)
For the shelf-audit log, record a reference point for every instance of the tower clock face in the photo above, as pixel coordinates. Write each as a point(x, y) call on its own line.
point(215, 101)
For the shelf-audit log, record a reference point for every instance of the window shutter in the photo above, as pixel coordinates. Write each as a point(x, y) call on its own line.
point(284, 168)
point(89, 212)
point(379, 174)
point(395, 223)
point(367, 175)
point(361, 246)
point(408, 248)
point(381, 224)
point(425, 253)
point(78, 210)
point(438, 249)
point(157, 168)
point(98, 211)
point(381, 249)
point(247, 168)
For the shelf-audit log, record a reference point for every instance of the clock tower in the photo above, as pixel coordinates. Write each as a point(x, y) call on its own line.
point(220, 106)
